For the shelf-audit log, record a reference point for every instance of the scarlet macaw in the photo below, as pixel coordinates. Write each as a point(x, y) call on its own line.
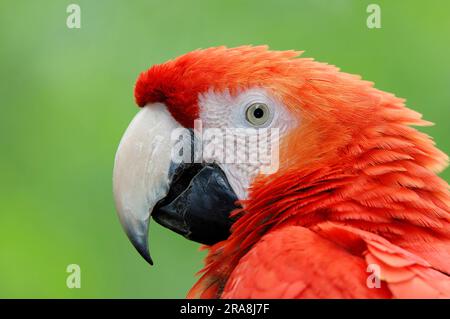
point(356, 186)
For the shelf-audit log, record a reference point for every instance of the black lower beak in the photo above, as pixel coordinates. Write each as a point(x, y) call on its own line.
point(198, 204)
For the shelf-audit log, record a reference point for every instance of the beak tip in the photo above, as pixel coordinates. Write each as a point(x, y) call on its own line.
point(144, 252)
point(147, 257)
point(141, 245)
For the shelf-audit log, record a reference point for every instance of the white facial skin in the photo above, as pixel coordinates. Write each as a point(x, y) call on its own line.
point(223, 111)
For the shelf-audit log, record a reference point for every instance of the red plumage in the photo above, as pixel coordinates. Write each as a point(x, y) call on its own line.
point(356, 186)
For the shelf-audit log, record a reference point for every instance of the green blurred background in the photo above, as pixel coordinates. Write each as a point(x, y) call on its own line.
point(66, 98)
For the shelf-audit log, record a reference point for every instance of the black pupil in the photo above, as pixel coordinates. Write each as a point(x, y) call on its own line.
point(258, 113)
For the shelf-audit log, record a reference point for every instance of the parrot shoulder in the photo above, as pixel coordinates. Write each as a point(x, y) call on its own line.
point(296, 262)
point(331, 260)
point(406, 274)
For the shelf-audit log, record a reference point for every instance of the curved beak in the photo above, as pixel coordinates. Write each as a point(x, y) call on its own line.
point(192, 199)
point(141, 167)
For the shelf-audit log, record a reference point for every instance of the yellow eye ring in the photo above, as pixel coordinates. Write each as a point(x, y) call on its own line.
point(257, 114)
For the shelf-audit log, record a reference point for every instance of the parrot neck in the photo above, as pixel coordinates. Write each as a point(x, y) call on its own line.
point(387, 186)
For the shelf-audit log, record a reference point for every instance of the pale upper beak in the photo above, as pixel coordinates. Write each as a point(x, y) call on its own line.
point(141, 167)
point(194, 200)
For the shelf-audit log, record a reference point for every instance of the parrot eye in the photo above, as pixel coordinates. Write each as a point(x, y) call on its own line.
point(257, 114)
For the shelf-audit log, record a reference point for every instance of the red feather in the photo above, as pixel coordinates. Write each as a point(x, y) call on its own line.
point(356, 183)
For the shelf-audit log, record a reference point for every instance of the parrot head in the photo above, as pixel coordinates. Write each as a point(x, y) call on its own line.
point(314, 111)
